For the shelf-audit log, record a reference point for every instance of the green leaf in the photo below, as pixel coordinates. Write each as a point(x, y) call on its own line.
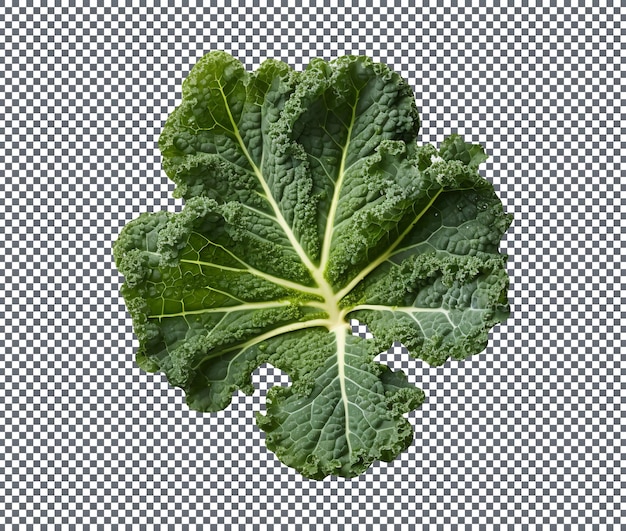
point(309, 203)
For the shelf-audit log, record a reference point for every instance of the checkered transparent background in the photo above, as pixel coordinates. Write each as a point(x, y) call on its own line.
point(528, 432)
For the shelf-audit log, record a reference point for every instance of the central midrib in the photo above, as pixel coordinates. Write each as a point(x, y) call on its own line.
point(335, 322)
point(340, 338)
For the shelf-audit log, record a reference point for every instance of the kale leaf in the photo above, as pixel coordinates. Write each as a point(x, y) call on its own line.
point(308, 203)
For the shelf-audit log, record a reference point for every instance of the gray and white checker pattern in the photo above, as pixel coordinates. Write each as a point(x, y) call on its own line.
point(528, 432)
